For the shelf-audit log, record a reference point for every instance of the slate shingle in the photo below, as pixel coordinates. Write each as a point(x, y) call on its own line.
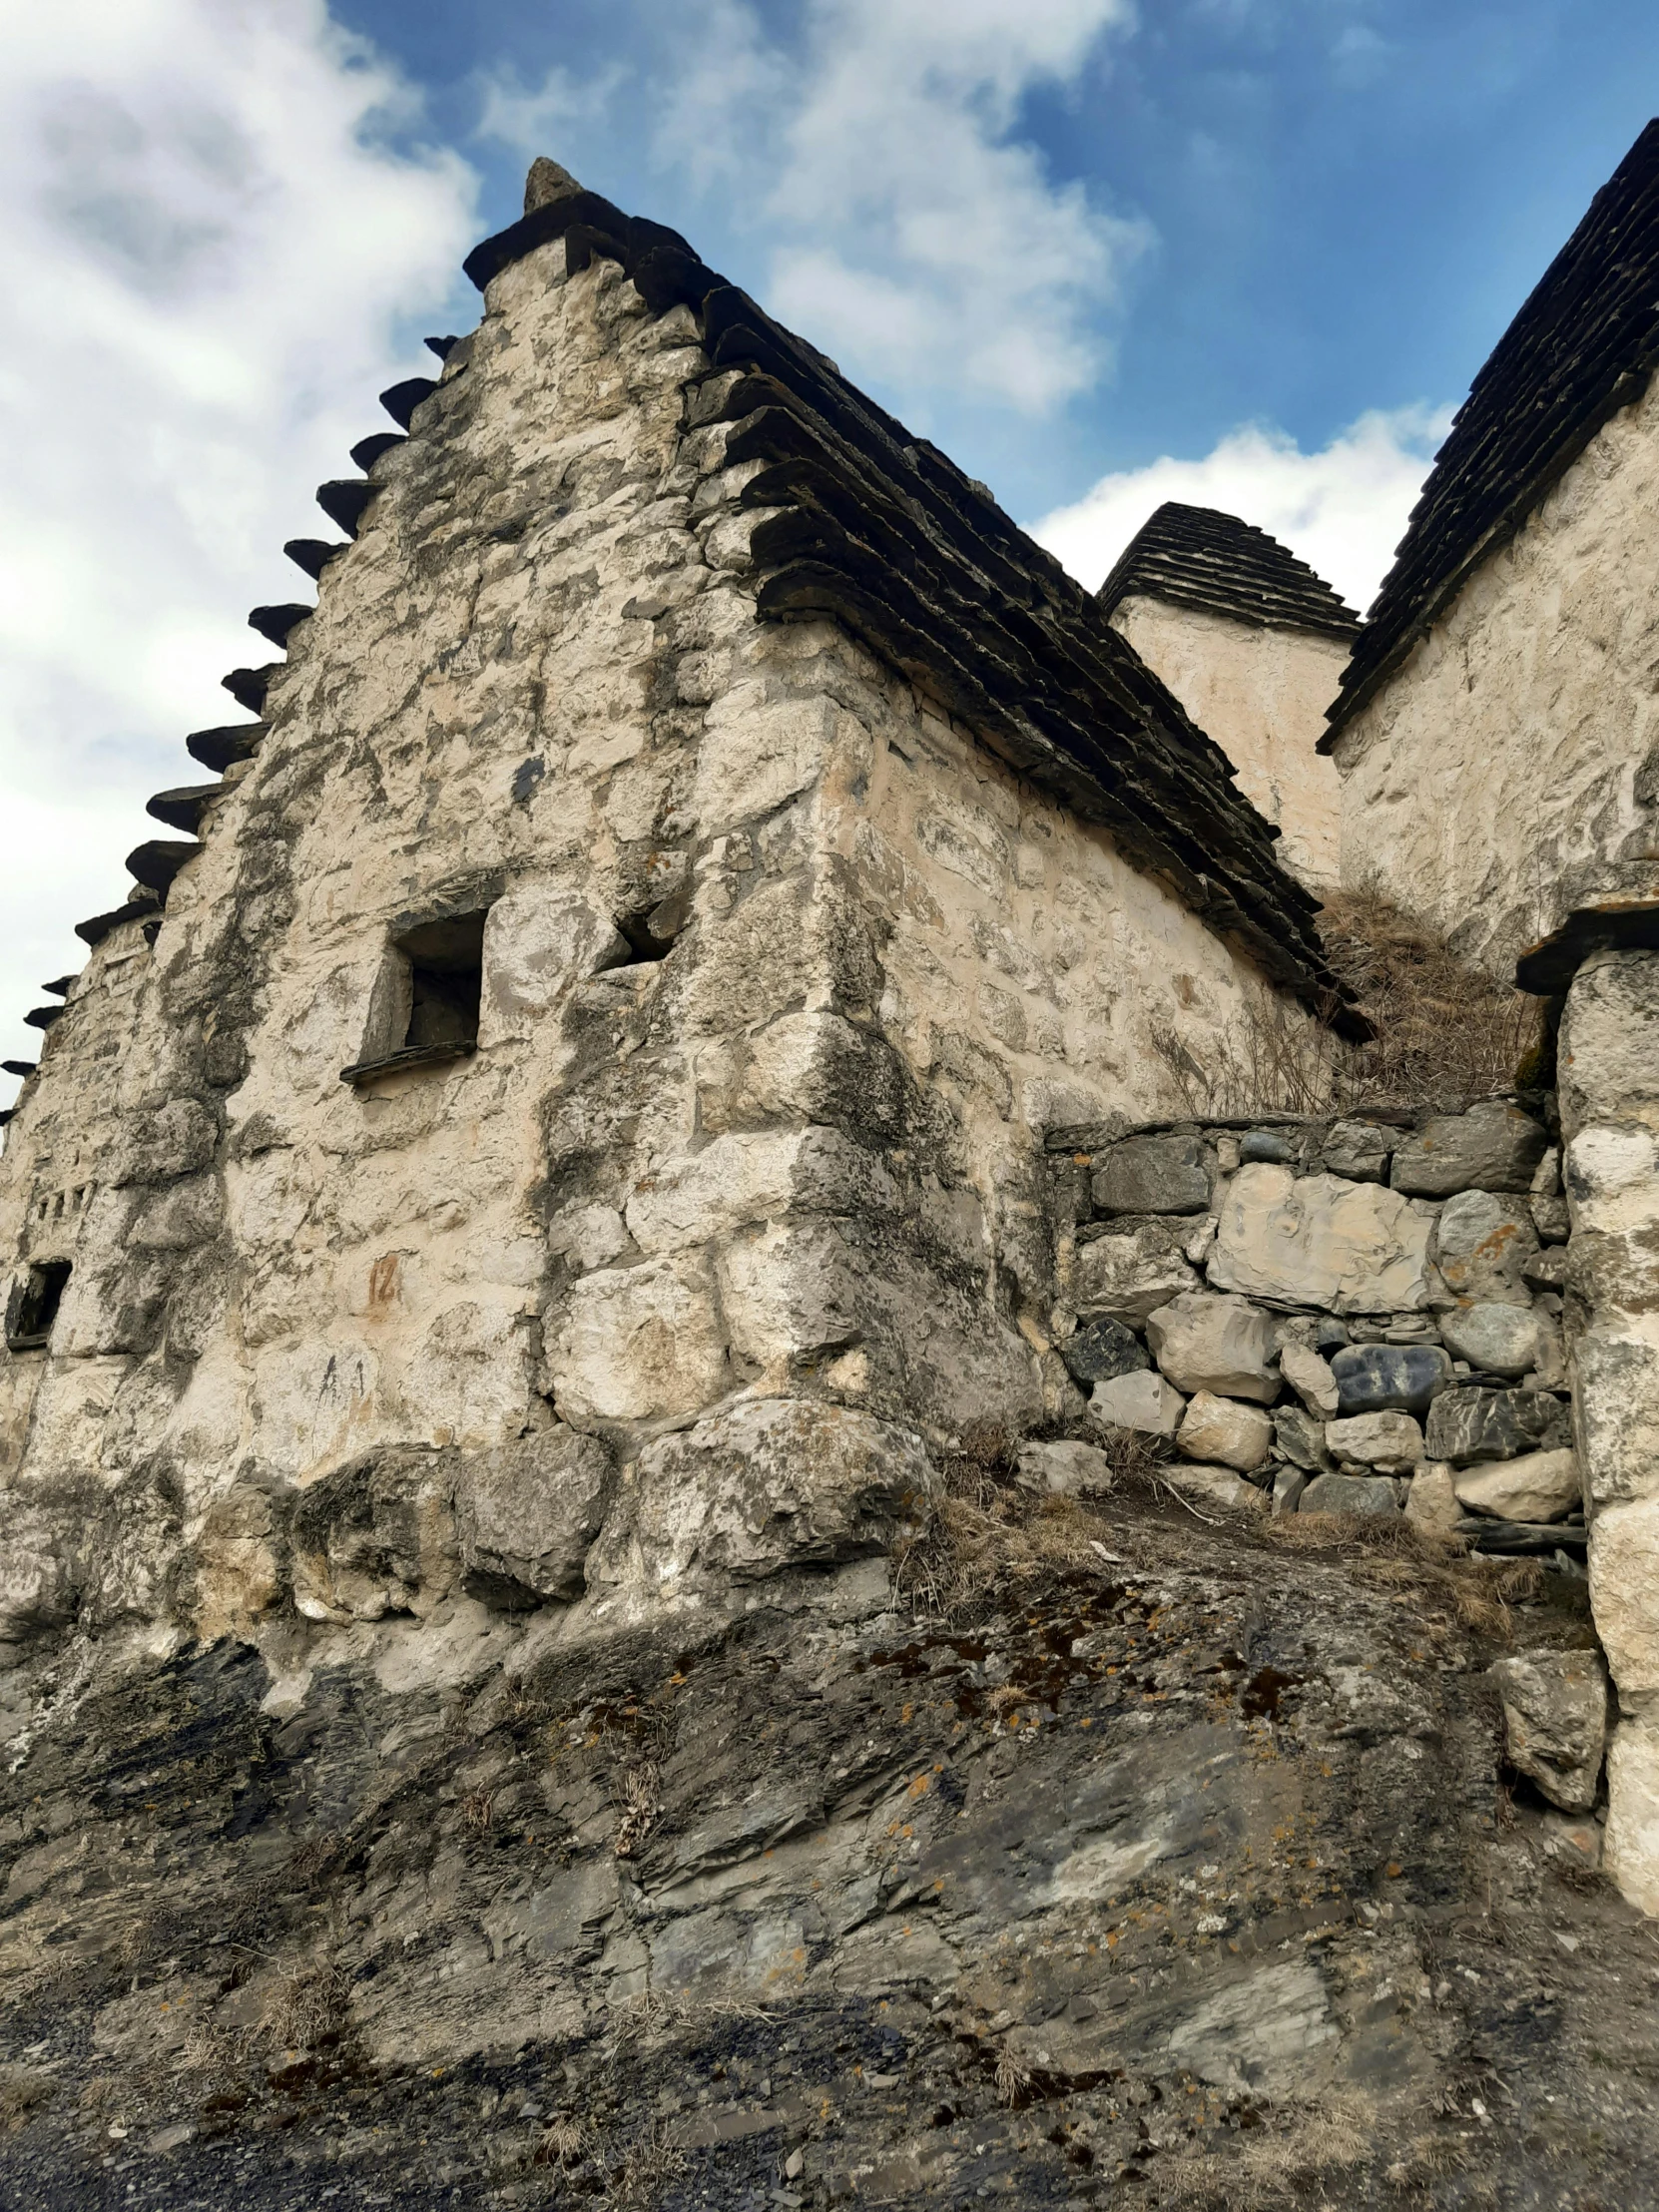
point(1199, 557)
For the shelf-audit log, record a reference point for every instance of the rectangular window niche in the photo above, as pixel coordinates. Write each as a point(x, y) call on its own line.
point(425, 1009)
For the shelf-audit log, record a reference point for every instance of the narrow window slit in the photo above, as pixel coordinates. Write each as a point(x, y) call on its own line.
point(33, 1304)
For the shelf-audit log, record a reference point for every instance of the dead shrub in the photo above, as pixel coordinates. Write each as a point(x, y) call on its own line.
point(23, 2091)
point(304, 2005)
point(1397, 1554)
point(637, 1796)
point(647, 2168)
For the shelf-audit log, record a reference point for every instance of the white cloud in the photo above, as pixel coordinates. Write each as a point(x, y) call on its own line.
point(915, 234)
point(207, 251)
point(1342, 509)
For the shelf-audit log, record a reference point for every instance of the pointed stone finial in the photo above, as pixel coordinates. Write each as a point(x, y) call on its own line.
point(546, 183)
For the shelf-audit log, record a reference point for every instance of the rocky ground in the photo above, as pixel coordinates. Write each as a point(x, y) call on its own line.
point(1093, 1854)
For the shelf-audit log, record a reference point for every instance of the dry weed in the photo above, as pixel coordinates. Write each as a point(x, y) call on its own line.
point(561, 2142)
point(637, 1796)
point(23, 2090)
point(1395, 1553)
point(647, 2168)
point(476, 1809)
point(305, 2004)
point(1012, 2079)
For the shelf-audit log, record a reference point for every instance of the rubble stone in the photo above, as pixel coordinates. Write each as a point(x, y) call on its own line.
point(1359, 1151)
point(1310, 1378)
point(1390, 1442)
point(1384, 1378)
point(1219, 1428)
point(1631, 1853)
point(1142, 1400)
point(1301, 1439)
point(1128, 1274)
point(1102, 1349)
point(1066, 1469)
point(1349, 1493)
point(1555, 1721)
point(1287, 1486)
point(1206, 1342)
point(1153, 1175)
point(1472, 1422)
point(527, 1515)
point(1481, 1244)
point(1316, 1240)
point(1493, 1147)
point(1431, 1501)
point(1215, 1486)
point(1499, 1339)
point(1538, 1487)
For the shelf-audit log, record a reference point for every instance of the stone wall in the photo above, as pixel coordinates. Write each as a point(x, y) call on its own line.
point(1508, 772)
point(1358, 1315)
point(783, 978)
point(1261, 691)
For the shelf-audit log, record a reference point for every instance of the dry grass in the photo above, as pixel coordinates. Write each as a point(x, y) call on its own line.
point(637, 1795)
point(23, 2091)
point(1445, 1033)
point(305, 2004)
point(1297, 2165)
point(647, 2168)
point(1397, 1554)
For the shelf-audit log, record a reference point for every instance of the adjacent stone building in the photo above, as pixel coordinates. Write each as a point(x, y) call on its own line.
point(1254, 645)
point(1497, 741)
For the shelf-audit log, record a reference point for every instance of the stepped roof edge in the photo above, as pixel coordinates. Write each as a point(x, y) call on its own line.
point(877, 529)
point(1218, 564)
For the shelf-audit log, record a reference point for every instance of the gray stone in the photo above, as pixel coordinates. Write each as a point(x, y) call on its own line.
point(526, 1515)
point(1313, 1240)
point(1548, 1202)
point(1143, 1402)
point(1287, 1486)
point(1267, 1144)
point(1330, 1335)
point(376, 1536)
point(1153, 1175)
point(1473, 1423)
point(37, 1580)
point(1547, 1270)
point(1349, 1493)
point(1102, 1349)
point(1203, 1340)
point(1129, 1273)
point(1301, 1439)
point(1380, 1378)
point(1501, 1339)
point(1391, 1443)
point(1219, 1428)
point(1481, 1244)
point(1359, 1151)
point(1538, 1487)
point(1555, 1721)
point(1493, 1147)
point(1065, 1469)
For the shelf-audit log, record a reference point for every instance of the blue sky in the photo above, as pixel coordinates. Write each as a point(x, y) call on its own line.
point(1104, 251)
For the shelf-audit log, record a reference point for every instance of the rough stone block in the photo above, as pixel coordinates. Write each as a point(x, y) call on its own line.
point(1606, 1051)
point(1215, 1486)
point(764, 1487)
point(1632, 1840)
point(1498, 1339)
point(1538, 1487)
point(1100, 1349)
point(1359, 1151)
point(1143, 1402)
point(1391, 1443)
point(37, 1581)
point(1349, 1493)
point(376, 1536)
point(1316, 1240)
point(1432, 1502)
point(1065, 1469)
point(527, 1513)
point(1206, 1342)
point(1287, 1486)
point(1127, 1275)
point(1219, 1428)
point(638, 1343)
point(1310, 1378)
point(1473, 1423)
point(1624, 1573)
point(1493, 1147)
point(1268, 1144)
point(1382, 1378)
point(1481, 1245)
point(1153, 1175)
point(1616, 1372)
point(1301, 1439)
point(1555, 1721)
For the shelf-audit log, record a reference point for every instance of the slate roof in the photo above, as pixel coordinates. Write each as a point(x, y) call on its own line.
point(1584, 347)
point(1200, 557)
point(877, 529)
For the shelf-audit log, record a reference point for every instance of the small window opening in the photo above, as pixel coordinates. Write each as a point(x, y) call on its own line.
point(33, 1305)
point(446, 980)
point(649, 933)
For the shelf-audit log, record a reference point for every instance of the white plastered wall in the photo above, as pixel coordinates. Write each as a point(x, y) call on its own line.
point(1261, 693)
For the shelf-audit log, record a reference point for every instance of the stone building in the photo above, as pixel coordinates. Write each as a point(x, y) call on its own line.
point(1496, 736)
point(686, 1037)
point(1254, 645)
